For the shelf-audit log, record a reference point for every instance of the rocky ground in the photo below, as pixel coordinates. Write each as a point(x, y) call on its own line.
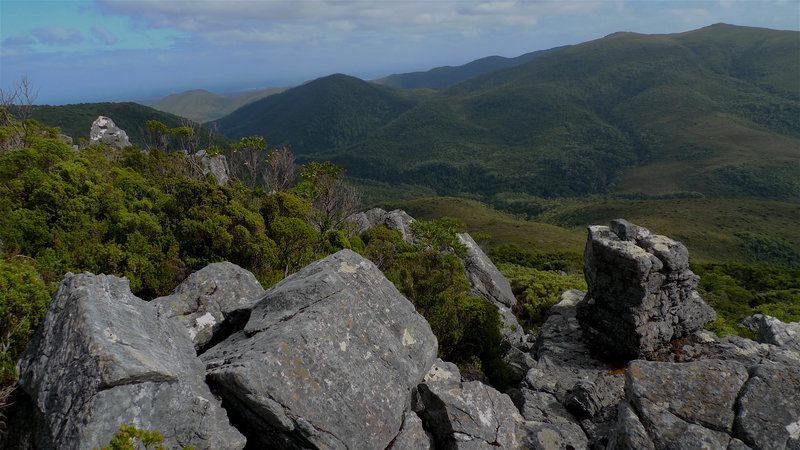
point(335, 357)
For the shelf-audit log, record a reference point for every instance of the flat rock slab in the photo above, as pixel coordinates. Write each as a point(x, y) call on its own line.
point(769, 407)
point(328, 359)
point(103, 358)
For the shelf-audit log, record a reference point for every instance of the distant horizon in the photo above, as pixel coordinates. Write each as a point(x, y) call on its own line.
point(81, 51)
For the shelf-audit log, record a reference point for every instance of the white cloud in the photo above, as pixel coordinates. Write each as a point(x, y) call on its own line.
point(282, 21)
point(104, 35)
point(57, 35)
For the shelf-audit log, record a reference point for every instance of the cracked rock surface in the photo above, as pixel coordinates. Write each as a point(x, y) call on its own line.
point(102, 358)
point(328, 359)
point(215, 299)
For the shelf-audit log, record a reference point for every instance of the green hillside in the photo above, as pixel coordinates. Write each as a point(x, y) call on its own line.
point(447, 76)
point(76, 120)
point(713, 112)
point(330, 112)
point(204, 106)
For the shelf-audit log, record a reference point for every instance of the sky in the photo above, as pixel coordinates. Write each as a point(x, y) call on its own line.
point(76, 51)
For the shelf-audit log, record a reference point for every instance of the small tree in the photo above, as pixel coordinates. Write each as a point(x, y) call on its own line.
point(18, 102)
point(332, 198)
point(281, 170)
point(250, 152)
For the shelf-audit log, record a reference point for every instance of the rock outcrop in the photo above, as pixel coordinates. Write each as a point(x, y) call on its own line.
point(641, 295)
point(335, 357)
point(215, 165)
point(103, 357)
point(104, 131)
point(212, 302)
point(394, 220)
point(328, 359)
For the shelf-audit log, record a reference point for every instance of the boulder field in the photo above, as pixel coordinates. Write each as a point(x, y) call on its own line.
point(334, 357)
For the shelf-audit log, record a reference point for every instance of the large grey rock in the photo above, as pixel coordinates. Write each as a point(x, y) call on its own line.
point(773, 331)
point(212, 302)
point(668, 431)
point(641, 293)
point(768, 414)
point(412, 435)
point(629, 433)
point(103, 357)
point(215, 165)
point(702, 392)
point(546, 436)
point(328, 359)
point(104, 131)
point(486, 280)
point(470, 415)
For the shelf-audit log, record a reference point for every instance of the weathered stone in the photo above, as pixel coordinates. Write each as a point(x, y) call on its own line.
point(212, 302)
point(563, 360)
point(701, 392)
point(486, 280)
point(469, 415)
point(519, 362)
point(768, 414)
point(583, 400)
point(394, 220)
point(669, 431)
point(442, 370)
point(629, 433)
point(542, 407)
point(641, 293)
point(104, 131)
point(328, 359)
point(546, 436)
point(736, 444)
point(103, 357)
point(773, 331)
point(412, 435)
point(215, 165)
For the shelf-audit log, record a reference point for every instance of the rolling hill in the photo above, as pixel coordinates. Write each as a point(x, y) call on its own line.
point(713, 112)
point(204, 106)
point(327, 113)
point(447, 76)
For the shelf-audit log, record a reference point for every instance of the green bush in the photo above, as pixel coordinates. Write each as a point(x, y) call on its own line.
point(23, 302)
point(738, 290)
point(537, 290)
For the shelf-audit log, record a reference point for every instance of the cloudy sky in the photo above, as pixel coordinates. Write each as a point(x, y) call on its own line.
point(98, 50)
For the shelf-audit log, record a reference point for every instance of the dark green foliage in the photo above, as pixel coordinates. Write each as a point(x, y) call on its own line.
point(738, 290)
point(23, 301)
point(527, 257)
point(467, 328)
point(76, 120)
point(129, 437)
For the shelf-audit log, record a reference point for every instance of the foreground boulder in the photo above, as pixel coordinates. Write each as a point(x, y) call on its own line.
point(641, 295)
point(103, 358)
point(212, 302)
point(328, 359)
point(105, 131)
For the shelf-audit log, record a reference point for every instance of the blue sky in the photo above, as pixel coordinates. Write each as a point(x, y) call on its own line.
point(116, 50)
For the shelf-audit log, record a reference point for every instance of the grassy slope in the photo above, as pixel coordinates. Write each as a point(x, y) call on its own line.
point(713, 230)
point(502, 227)
point(204, 106)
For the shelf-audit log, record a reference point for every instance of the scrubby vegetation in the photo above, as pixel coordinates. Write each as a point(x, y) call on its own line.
point(153, 217)
point(738, 290)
